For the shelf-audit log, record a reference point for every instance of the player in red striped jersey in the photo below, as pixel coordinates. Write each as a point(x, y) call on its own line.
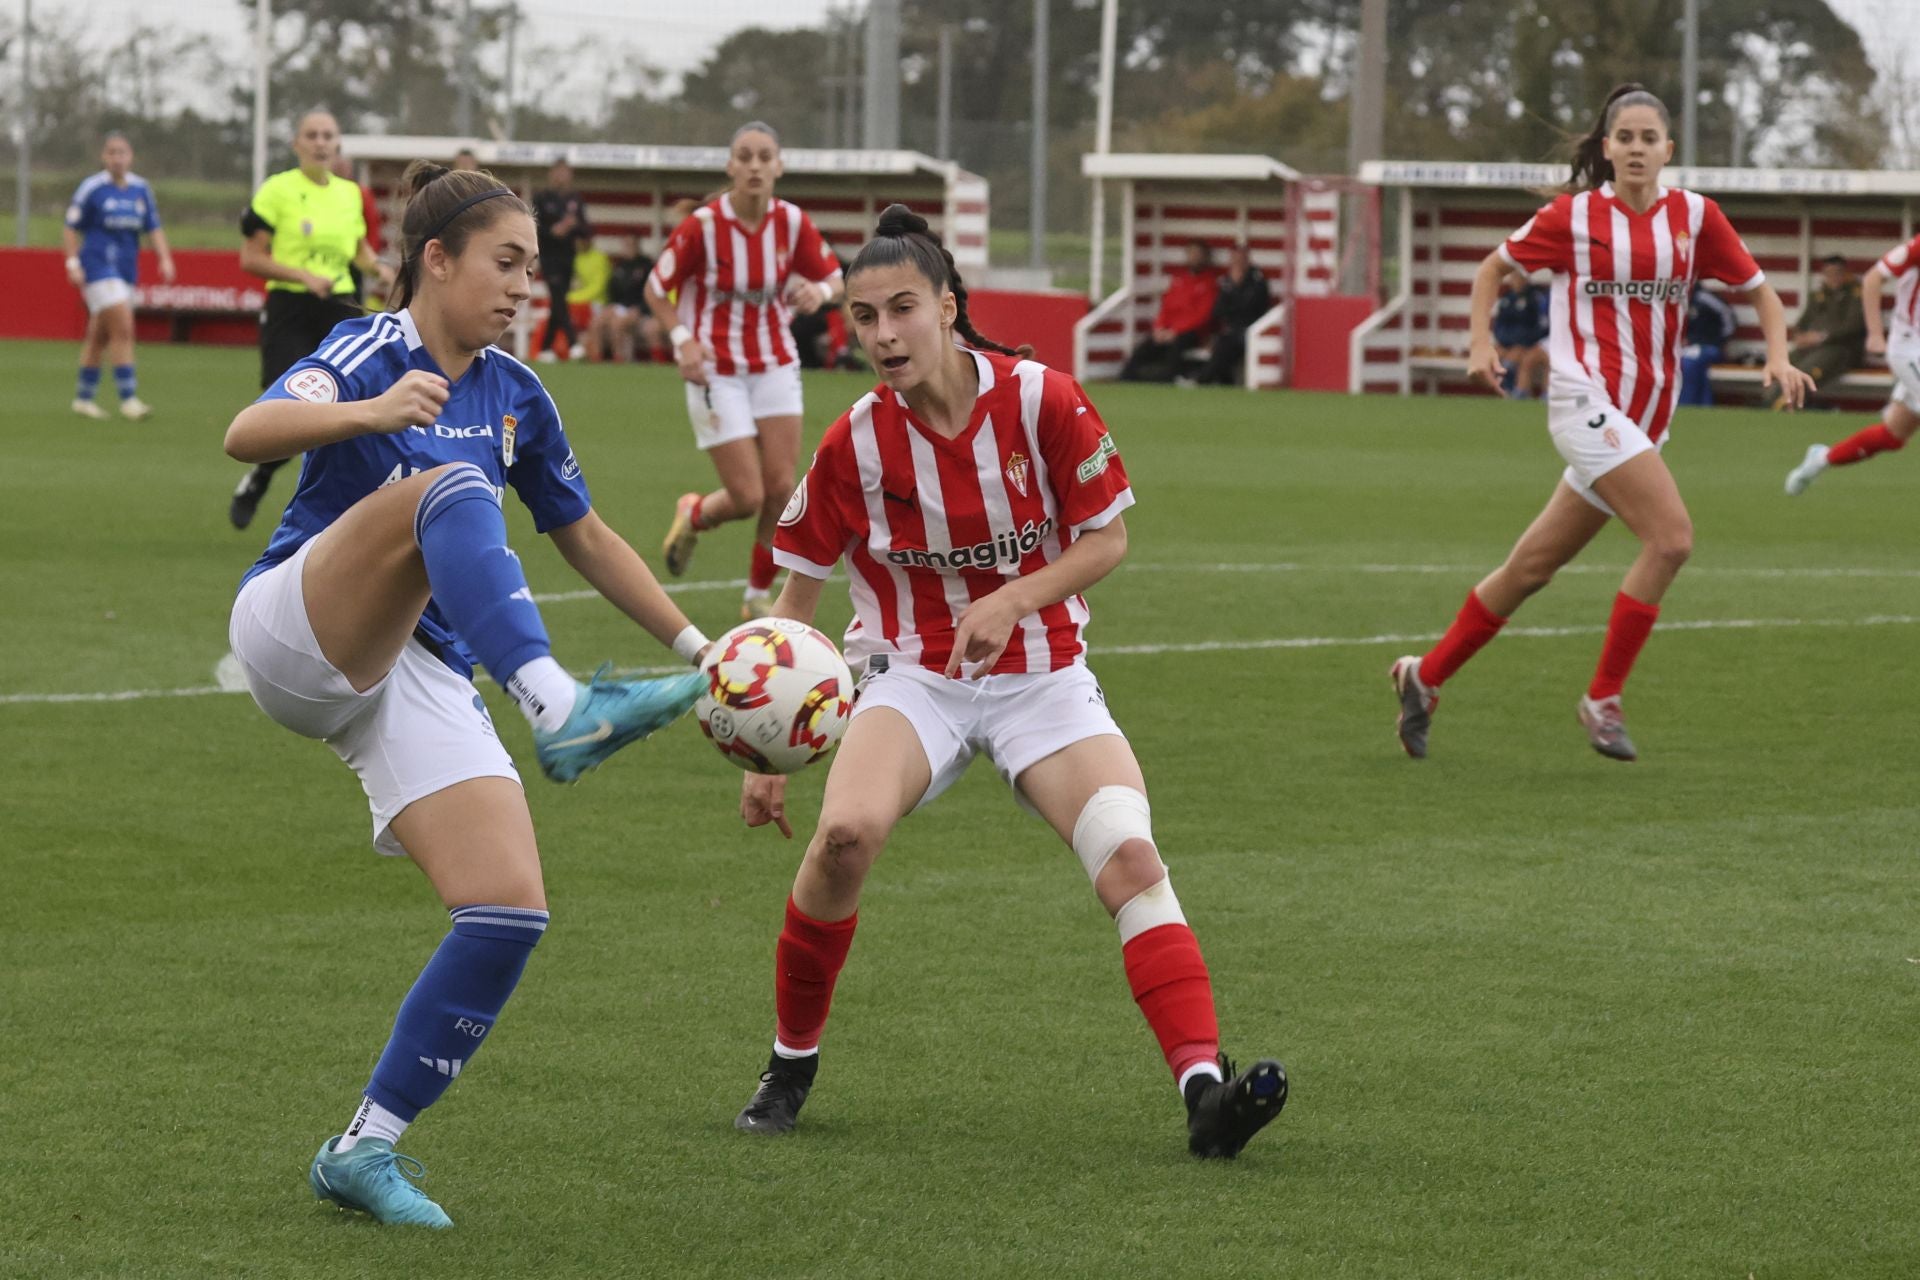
point(1902, 351)
point(742, 264)
point(1624, 252)
point(974, 494)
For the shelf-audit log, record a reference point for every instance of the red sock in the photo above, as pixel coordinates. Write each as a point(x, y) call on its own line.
point(1170, 984)
point(760, 574)
point(1862, 445)
point(1472, 627)
point(806, 961)
point(700, 524)
point(1627, 631)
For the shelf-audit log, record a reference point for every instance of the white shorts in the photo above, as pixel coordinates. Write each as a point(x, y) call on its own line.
point(1594, 438)
point(111, 292)
point(1904, 359)
point(420, 730)
point(730, 408)
point(1018, 720)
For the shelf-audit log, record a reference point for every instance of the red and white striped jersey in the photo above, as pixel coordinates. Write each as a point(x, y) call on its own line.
point(928, 525)
point(1621, 281)
point(1903, 265)
point(730, 278)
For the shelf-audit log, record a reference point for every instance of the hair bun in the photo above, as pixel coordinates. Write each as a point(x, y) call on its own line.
point(419, 174)
point(898, 220)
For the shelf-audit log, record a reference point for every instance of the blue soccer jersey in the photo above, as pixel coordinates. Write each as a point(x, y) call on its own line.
point(497, 416)
point(111, 220)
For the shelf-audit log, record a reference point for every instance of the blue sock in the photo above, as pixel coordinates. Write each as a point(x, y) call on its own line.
point(89, 382)
point(453, 1004)
point(123, 381)
point(477, 580)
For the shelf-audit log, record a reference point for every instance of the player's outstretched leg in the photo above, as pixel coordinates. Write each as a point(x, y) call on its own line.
point(683, 534)
point(1881, 437)
point(1224, 1113)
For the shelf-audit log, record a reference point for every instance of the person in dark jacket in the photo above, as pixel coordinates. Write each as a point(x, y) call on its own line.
point(1710, 326)
point(1243, 298)
point(563, 227)
point(1830, 337)
point(1520, 335)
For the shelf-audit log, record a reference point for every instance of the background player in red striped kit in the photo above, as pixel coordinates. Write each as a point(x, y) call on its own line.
point(1902, 350)
point(1625, 252)
point(974, 495)
point(743, 263)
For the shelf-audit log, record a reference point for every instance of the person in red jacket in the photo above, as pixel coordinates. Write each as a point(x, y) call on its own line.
point(1183, 322)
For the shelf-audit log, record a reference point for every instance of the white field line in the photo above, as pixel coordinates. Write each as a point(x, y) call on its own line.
point(1482, 569)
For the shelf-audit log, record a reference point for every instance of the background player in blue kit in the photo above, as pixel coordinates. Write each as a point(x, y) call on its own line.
point(388, 576)
point(105, 220)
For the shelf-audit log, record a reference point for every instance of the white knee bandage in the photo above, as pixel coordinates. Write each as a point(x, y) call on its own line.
point(1112, 817)
point(1149, 909)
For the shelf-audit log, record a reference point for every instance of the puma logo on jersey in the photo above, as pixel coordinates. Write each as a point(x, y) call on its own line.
point(891, 496)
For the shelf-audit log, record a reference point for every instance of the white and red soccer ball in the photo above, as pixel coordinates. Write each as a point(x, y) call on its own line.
point(778, 695)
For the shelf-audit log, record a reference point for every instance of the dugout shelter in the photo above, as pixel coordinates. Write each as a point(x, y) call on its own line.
point(1291, 223)
point(1451, 215)
point(630, 188)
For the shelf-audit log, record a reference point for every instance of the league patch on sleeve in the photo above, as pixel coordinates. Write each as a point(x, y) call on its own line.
point(796, 505)
point(316, 385)
point(1097, 460)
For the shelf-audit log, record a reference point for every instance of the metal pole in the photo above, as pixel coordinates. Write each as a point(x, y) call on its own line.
point(513, 36)
point(1102, 143)
point(1037, 166)
point(850, 115)
point(1690, 86)
point(263, 26)
point(1366, 134)
point(882, 118)
point(463, 91)
point(832, 81)
point(943, 117)
point(23, 174)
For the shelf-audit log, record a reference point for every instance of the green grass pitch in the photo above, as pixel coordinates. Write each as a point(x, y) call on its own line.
point(1545, 1015)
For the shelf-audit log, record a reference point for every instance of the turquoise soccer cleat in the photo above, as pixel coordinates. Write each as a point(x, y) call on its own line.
point(373, 1179)
point(608, 715)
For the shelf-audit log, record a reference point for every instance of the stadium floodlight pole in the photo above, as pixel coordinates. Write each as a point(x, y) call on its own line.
point(513, 35)
point(943, 112)
point(1102, 143)
point(23, 152)
point(1690, 82)
point(263, 27)
point(882, 117)
point(1037, 167)
point(463, 91)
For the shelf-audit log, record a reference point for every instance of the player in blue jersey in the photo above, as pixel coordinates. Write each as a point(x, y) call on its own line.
point(105, 220)
point(388, 576)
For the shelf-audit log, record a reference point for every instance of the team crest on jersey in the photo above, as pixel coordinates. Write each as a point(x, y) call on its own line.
point(1682, 242)
point(316, 385)
point(507, 425)
point(1017, 472)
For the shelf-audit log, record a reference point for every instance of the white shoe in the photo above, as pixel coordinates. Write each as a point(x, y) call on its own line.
point(546, 357)
point(135, 408)
point(89, 409)
point(755, 605)
point(579, 351)
point(1606, 727)
point(1811, 466)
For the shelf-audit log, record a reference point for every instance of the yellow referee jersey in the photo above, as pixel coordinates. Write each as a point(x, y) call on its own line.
point(315, 228)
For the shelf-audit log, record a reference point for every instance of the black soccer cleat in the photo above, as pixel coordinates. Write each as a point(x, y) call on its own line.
point(247, 495)
point(1223, 1116)
point(775, 1105)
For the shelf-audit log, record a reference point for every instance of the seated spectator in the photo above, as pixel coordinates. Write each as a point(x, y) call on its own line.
point(1520, 335)
point(1182, 323)
point(821, 338)
point(624, 325)
point(1710, 326)
point(1830, 337)
point(1243, 299)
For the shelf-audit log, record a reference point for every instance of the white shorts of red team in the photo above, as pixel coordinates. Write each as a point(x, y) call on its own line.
point(1594, 438)
point(1016, 720)
point(1903, 358)
point(111, 292)
point(730, 407)
point(420, 730)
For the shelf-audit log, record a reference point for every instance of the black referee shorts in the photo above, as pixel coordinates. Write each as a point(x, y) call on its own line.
point(294, 326)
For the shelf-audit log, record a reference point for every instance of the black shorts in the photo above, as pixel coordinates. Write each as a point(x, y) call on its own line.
point(294, 326)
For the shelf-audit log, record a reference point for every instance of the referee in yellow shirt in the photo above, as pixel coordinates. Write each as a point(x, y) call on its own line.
point(305, 230)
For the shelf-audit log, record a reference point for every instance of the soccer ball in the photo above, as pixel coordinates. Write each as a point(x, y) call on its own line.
point(778, 695)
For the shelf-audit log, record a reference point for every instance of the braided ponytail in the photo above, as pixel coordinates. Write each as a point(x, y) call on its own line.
point(1591, 168)
point(902, 236)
